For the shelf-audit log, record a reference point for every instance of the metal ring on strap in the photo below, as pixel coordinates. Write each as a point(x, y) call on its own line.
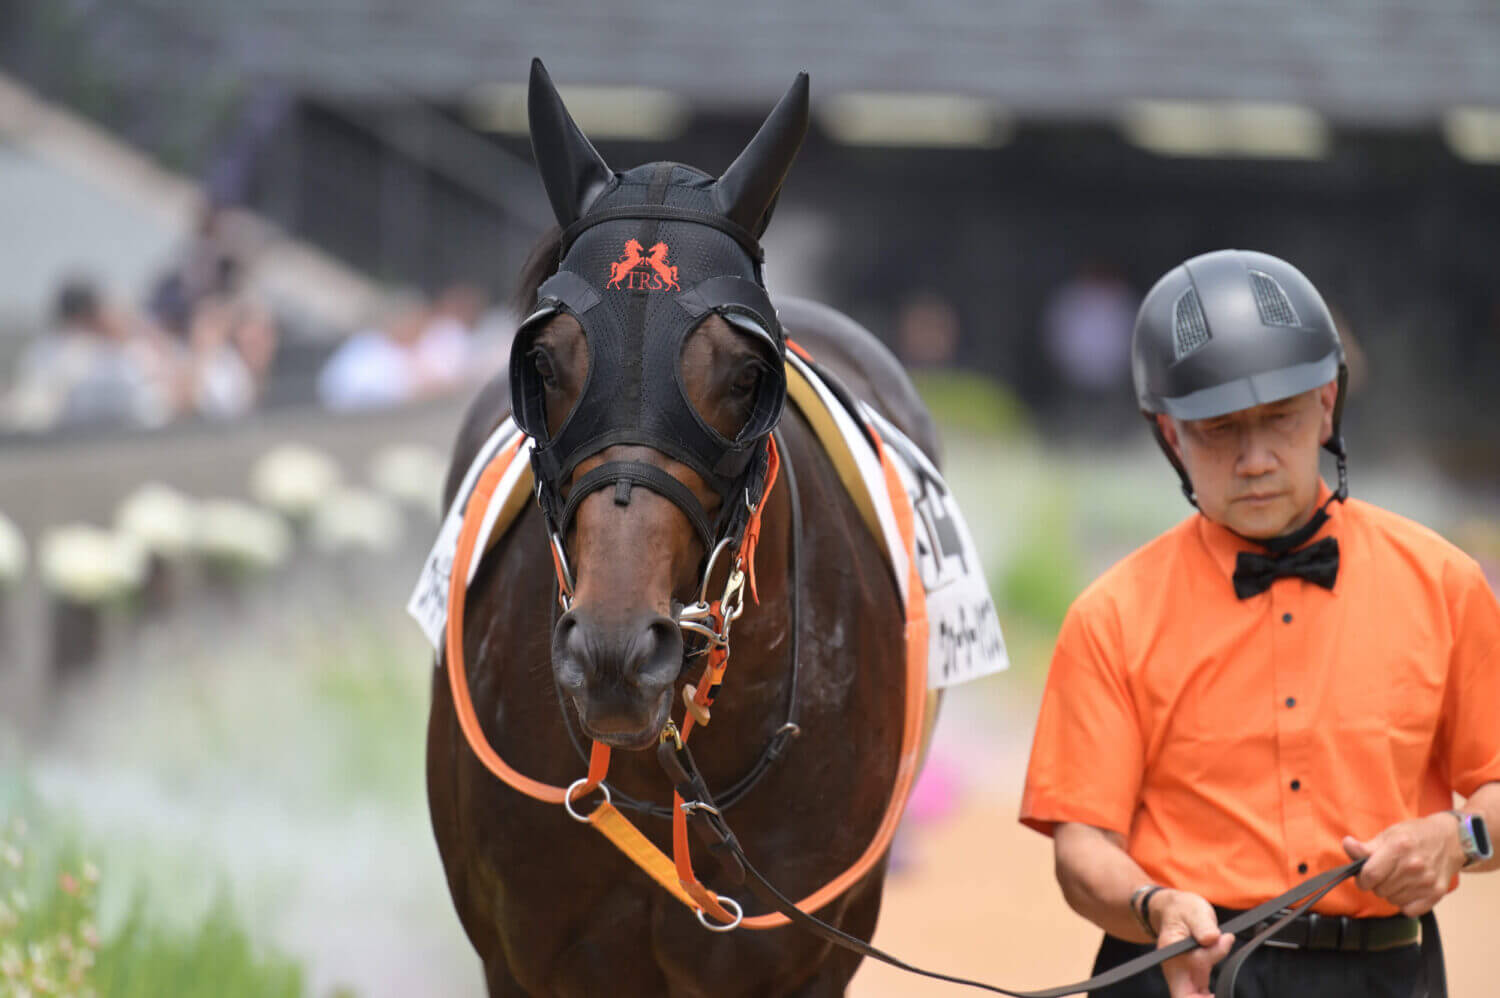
point(568, 799)
point(729, 904)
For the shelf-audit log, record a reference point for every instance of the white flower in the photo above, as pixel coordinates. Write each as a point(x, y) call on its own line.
point(292, 479)
point(355, 520)
point(160, 517)
point(411, 474)
point(241, 534)
point(12, 856)
point(89, 564)
point(12, 552)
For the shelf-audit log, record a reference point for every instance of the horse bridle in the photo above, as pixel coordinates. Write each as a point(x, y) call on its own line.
point(696, 622)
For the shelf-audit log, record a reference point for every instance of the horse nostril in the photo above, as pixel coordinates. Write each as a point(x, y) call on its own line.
point(570, 650)
point(658, 653)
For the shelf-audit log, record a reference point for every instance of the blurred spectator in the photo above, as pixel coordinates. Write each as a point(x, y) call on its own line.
point(445, 348)
point(195, 275)
point(232, 340)
point(1088, 323)
point(1086, 328)
point(99, 365)
point(417, 352)
point(927, 331)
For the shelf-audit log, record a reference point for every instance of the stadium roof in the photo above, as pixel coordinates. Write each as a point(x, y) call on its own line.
point(1362, 62)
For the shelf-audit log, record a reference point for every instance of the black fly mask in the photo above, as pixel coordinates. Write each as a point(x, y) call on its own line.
point(647, 255)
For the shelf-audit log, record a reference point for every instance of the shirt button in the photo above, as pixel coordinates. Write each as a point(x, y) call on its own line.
point(1291, 701)
point(1301, 867)
point(1286, 618)
point(1296, 784)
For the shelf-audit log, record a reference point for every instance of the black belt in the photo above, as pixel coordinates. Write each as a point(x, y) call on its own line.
point(1337, 932)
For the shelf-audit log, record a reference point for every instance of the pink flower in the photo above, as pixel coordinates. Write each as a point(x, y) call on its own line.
point(69, 884)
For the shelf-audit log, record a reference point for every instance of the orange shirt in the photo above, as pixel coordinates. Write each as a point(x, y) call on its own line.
point(1235, 742)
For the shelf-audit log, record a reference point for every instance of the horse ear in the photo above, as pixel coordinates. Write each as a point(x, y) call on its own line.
point(572, 170)
point(747, 190)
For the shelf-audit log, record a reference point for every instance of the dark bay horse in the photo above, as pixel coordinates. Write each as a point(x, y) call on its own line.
point(550, 906)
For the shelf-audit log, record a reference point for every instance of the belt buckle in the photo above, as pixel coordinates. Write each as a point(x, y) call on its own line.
point(1325, 932)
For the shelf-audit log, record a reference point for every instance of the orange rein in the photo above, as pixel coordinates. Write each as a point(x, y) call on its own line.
point(676, 876)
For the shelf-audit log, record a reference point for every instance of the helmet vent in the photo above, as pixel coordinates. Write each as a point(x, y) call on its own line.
point(1189, 327)
point(1275, 307)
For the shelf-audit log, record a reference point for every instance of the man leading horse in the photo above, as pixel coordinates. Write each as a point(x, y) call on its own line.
point(1289, 680)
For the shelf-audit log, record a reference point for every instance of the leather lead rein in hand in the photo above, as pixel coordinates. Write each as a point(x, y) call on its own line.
point(709, 824)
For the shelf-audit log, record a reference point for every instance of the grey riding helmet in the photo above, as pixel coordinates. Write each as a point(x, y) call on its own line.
point(1230, 330)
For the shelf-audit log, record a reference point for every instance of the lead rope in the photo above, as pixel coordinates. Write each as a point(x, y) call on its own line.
point(713, 830)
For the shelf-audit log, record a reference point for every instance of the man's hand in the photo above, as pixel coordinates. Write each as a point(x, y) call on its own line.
point(1410, 864)
point(1178, 915)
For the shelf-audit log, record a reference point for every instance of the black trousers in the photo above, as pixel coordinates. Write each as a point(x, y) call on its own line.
point(1283, 973)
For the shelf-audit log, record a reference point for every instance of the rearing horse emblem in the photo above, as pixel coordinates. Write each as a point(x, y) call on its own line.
point(637, 272)
point(625, 264)
point(664, 270)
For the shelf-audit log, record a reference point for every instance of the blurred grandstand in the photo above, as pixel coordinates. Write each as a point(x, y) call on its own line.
point(981, 154)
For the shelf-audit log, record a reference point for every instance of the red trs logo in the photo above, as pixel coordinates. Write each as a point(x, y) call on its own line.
point(637, 272)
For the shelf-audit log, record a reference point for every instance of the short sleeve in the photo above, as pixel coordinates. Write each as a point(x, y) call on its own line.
point(1471, 706)
point(1088, 754)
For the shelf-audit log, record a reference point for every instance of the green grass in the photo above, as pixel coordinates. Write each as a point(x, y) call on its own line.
point(1044, 571)
point(214, 960)
point(51, 943)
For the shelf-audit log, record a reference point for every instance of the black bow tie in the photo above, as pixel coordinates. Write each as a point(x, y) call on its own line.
point(1317, 563)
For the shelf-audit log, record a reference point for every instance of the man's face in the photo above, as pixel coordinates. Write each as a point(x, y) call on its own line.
point(1255, 471)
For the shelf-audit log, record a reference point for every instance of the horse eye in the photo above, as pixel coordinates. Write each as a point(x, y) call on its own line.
point(543, 364)
point(746, 381)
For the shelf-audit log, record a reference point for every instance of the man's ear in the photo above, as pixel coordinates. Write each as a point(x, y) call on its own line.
point(1328, 397)
point(1168, 429)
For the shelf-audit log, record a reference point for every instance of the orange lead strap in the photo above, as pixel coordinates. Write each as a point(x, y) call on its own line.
point(458, 680)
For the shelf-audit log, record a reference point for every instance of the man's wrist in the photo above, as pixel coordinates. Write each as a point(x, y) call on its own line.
point(1473, 838)
point(1140, 906)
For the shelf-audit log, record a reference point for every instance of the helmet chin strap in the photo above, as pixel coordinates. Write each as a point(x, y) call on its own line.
point(1292, 539)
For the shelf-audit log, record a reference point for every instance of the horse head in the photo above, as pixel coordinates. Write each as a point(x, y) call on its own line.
point(650, 401)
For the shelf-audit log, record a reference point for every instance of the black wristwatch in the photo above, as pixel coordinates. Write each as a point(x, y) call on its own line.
point(1474, 837)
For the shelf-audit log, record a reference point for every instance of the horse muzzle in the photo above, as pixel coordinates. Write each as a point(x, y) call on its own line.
point(619, 673)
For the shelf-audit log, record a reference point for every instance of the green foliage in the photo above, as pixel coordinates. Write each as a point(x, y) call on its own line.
point(215, 960)
point(50, 941)
point(372, 692)
point(971, 403)
point(1044, 573)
